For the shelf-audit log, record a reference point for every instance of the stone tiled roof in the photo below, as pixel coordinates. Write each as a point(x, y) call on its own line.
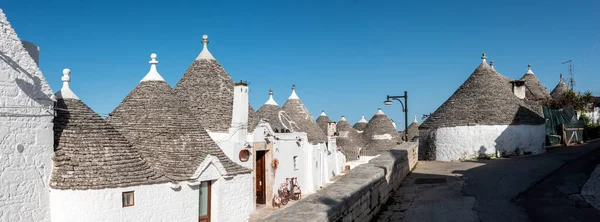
point(485, 98)
point(560, 89)
point(361, 124)
point(165, 132)
point(381, 134)
point(276, 117)
point(91, 154)
point(413, 129)
point(349, 140)
point(296, 110)
point(535, 90)
point(323, 122)
point(207, 89)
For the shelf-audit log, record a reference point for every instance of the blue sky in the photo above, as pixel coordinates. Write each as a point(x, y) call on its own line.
point(344, 56)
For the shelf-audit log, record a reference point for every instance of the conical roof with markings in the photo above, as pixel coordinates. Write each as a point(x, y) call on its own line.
point(296, 110)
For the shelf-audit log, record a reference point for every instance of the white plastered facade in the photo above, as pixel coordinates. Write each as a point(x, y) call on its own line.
point(469, 142)
point(26, 134)
point(160, 202)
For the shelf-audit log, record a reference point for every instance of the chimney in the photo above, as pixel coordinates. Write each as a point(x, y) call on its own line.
point(518, 88)
point(33, 50)
point(331, 128)
point(240, 104)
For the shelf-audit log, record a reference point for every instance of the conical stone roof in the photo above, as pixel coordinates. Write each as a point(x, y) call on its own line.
point(89, 153)
point(275, 116)
point(560, 89)
point(349, 140)
point(485, 98)
point(165, 132)
point(413, 129)
point(323, 121)
point(361, 124)
point(381, 134)
point(207, 90)
point(535, 90)
point(296, 110)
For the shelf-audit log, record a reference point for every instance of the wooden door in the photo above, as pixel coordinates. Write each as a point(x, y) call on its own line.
point(260, 177)
point(204, 209)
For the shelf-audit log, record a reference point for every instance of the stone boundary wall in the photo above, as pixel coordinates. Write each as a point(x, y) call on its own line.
point(358, 195)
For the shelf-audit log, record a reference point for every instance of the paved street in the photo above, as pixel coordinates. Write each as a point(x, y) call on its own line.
point(475, 190)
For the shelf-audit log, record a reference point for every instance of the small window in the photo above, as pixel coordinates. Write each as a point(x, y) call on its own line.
point(128, 199)
point(295, 162)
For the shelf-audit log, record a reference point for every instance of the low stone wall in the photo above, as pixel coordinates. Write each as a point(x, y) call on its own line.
point(358, 195)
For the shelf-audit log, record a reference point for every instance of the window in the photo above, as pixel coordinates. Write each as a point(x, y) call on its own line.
point(128, 199)
point(295, 162)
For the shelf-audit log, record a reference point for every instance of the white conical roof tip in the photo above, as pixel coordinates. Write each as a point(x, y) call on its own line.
point(483, 58)
point(205, 54)
point(323, 113)
point(293, 95)
point(65, 92)
point(362, 119)
point(416, 119)
point(271, 101)
point(379, 111)
point(529, 69)
point(492, 64)
point(66, 75)
point(152, 75)
point(343, 118)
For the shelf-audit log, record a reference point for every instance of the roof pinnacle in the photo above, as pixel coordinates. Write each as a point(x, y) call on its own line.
point(65, 92)
point(415, 119)
point(529, 69)
point(323, 113)
point(492, 64)
point(205, 54)
point(343, 118)
point(362, 119)
point(271, 101)
point(152, 75)
point(379, 112)
point(293, 95)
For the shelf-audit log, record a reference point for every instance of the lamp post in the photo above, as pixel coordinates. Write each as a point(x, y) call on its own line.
point(388, 101)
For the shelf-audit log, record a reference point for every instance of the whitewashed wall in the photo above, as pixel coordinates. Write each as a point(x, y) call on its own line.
point(467, 142)
point(26, 134)
point(594, 115)
point(231, 201)
point(231, 145)
point(284, 150)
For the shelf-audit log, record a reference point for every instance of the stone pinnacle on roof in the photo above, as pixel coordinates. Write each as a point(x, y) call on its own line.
point(529, 69)
point(535, 90)
point(492, 65)
point(271, 101)
point(65, 92)
point(343, 118)
point(153, 75)
point(205, 54)
point(323, 113)
point(362, 119)
point(379, 112)
point(415, 121)
point(293, 95)
point(483, 58)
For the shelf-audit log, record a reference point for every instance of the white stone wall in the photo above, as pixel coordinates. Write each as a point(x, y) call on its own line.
point(235, 199)
point(26, 134)
point(152, 203)
point(285, 149)
point(468, 142)
point(231, 145)
point(594, 115)
point(231, 201)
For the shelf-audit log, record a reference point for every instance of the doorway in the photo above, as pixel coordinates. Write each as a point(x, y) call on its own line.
point(260, 177)
point(204, 206)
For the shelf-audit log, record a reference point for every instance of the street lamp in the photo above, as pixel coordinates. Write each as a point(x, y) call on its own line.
point(388, 102)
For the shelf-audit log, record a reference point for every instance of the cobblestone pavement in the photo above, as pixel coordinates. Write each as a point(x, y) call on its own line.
point(474, 190)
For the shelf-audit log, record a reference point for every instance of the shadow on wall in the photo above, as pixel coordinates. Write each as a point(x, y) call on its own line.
point(63, 115)
point(33, 91)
